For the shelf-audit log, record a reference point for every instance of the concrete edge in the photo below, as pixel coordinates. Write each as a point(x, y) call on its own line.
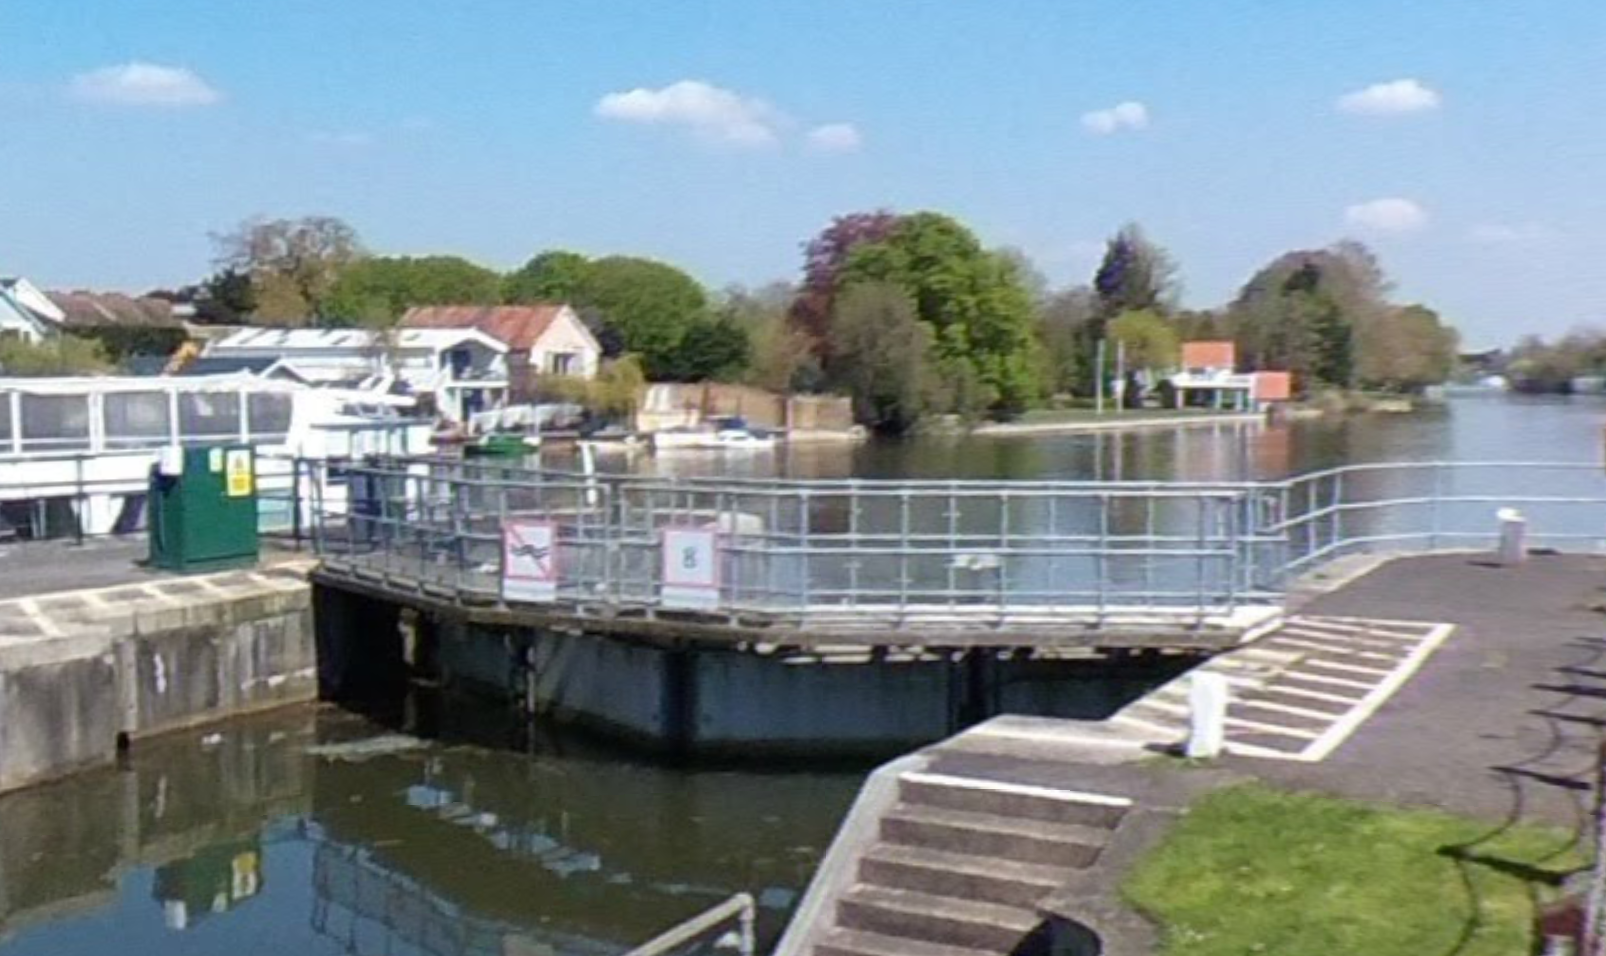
point(838, 869)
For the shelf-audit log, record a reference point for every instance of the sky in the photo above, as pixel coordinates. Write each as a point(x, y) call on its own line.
point(1461, 139)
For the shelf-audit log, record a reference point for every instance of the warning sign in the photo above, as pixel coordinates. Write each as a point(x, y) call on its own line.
point(530, 561)
point(691, 569)
point(237, 473)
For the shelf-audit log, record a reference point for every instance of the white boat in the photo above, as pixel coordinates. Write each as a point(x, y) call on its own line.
point(721, 434)
point(77, 452)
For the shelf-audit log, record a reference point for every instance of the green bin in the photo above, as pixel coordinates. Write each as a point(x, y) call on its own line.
point(203, 509)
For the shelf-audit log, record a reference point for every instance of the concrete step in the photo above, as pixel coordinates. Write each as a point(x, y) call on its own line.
point(1010, 798)
point(934, 919)
point(940, 873)
point(987, 834)
point(852, 942)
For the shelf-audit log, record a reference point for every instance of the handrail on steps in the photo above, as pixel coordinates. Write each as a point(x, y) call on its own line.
point(741, 906)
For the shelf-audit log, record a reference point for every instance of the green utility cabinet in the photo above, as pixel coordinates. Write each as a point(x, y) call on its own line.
point(203, 509)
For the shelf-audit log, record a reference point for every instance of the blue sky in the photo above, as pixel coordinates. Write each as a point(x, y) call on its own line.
point(1471, 152)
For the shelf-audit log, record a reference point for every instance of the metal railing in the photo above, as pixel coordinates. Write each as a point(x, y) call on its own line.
point(855, 552)
point(740, 910)
point(884, 553)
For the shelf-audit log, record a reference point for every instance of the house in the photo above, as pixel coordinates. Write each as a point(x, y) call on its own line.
point(462, 370)
point(26, 312)
point(1210, 377)
point(547, 339)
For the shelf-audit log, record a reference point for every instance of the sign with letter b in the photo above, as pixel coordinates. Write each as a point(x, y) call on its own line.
point(690, 569)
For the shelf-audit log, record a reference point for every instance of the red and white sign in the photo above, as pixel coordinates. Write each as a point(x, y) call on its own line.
point(690, 569)
point(530, 561)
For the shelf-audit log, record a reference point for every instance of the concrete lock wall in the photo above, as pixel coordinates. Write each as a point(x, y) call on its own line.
point(69, 702)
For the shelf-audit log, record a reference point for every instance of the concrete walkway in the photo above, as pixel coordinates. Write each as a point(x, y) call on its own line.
point(1503, 722)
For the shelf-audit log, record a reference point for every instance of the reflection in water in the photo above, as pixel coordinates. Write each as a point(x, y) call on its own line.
point(256, 846)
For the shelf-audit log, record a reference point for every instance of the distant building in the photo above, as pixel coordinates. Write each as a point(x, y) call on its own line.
point(464, 371)
point(26, 312)
point(1210, 377)
point(541, 340)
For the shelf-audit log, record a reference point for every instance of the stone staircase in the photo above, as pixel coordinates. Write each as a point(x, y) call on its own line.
point(960, 864)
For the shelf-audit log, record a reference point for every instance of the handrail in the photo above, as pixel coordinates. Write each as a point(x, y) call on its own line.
point(742, 907)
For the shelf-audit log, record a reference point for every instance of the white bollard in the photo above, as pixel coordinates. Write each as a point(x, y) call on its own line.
point(1513, 536)
point(1207, 715)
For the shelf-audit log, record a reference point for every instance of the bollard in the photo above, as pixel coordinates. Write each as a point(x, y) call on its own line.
point(1207, 715)
point(1513, 536)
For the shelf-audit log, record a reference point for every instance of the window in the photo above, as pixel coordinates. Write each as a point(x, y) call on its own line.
point(208, 416)
point(55, 422)
point(136, 419)
point(563, 363)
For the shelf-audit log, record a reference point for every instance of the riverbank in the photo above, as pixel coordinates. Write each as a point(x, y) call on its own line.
point(1078, 421)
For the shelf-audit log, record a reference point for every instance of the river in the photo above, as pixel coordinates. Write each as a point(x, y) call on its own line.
point(272, 835)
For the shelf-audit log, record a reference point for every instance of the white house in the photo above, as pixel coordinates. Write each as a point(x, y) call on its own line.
point(26, 312)
point(463, 370)
point(542, 340)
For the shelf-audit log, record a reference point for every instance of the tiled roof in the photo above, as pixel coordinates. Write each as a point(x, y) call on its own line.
point(520, 326)
point(92, 309)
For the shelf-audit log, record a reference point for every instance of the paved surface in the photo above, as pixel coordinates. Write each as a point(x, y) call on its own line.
point(1505, 719)
point(32, 568)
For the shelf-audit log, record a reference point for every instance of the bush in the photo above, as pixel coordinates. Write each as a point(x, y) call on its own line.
point(64, 355)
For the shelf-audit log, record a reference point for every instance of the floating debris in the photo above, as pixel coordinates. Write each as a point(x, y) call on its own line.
point(381, 746)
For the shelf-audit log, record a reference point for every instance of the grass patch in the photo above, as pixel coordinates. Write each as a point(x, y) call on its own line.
point(1257, 870)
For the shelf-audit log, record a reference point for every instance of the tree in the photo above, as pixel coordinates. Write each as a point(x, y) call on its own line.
point(1405, 350)
point(824, 258)
point(1149, 340)
point(649, 305)
point(781, 357)
point(1135, 275)
point(618, 387)
point(375, 292)
point(62, 355)
point(883, 358)
point(293, 263)
point(552, 276)
point(972, 299)
point(1061, 327)
point(711, 349)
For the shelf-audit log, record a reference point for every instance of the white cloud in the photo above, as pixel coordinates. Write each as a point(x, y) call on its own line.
point(1391, 214)
point(1509, 234)
point(714, 113)
point(1128, 115)
point(1392, 98)
point(835, 138)
point(143, 84)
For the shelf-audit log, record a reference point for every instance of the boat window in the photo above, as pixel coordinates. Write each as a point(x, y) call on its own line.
point(55, 423)
point(137, 419)
point(6, 431)
point(270, 414)
point(208, 417)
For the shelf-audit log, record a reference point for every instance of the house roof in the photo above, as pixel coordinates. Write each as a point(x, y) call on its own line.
point(1209, 355)
point(520, 326)
point(97, 309)
point(277, 340)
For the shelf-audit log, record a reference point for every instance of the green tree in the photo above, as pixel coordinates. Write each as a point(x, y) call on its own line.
point(884, 356)
point(556, 275)
point(711, 349)
point(62, 355)
point(1406, 350)
point(648, 305)
point(375, 292)
point(1149, 340)
point(618, 387)
point(781, 356)
point(293, 263)
point(1062, 328)
point(979, 312)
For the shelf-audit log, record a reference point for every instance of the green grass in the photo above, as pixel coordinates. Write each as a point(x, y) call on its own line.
point(1256, 870)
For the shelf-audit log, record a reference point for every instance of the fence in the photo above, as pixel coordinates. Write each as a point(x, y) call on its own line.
point(820, 550)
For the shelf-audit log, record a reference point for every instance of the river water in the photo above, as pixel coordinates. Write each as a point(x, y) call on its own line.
point(315, 832)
